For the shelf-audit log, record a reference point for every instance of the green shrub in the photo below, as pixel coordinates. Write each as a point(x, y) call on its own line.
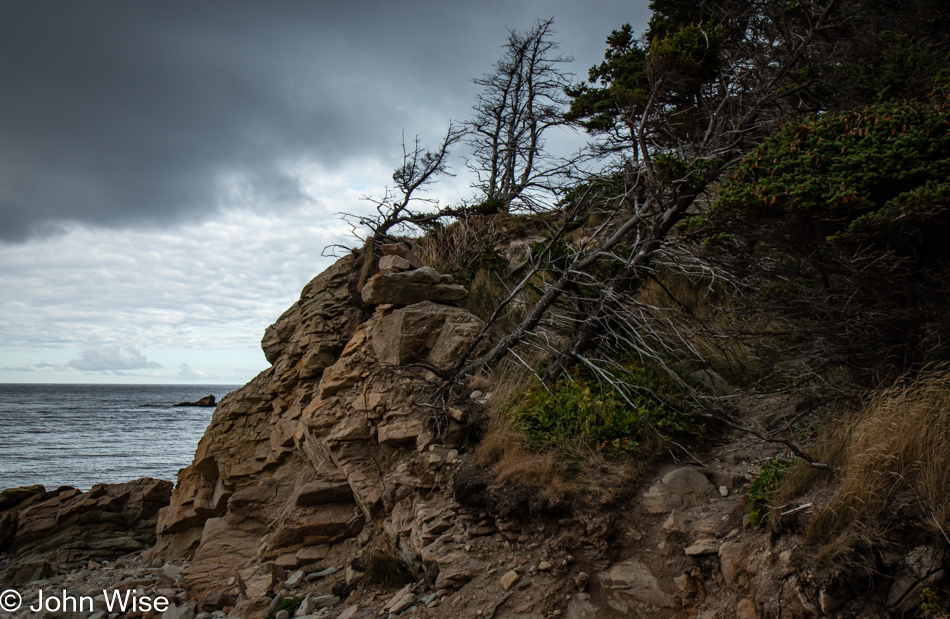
point(838, 174)
point(765, 487)
point(288, 604)
point(846, 217)
point(930, 604)
point(579, 409)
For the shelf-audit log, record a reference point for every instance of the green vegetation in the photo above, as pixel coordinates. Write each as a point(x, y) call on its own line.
point(765, 488)
point(879, 170)
point(288, 604)
point(579, 409)
point(840, 222)
point(771, 201)
point(930, 605)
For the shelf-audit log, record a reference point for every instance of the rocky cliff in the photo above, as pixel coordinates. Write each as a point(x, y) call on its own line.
point(345, 470)
point(340, 483)
point(328, 449)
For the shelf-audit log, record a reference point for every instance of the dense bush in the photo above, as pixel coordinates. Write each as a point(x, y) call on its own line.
point(578, 409)
point(838, 224)
point(853, 173)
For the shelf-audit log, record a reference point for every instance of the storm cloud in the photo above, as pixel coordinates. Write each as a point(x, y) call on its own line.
point(119, 113)
point(171, 172)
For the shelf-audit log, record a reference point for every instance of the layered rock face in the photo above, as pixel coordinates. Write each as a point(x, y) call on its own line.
point(407, 287)
point(296, 463)
point(39, 528)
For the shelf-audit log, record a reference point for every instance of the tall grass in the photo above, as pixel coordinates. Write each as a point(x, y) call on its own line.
point(505, 448)
point(466, 249)
point(894, 458)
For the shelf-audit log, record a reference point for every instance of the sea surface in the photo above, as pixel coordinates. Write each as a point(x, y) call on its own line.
point(80, 435)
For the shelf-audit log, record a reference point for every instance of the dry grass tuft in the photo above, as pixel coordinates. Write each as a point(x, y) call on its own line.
point(894, 460)
point(701, 309)
point(507, 451)
point(386, 569)
point(502, 443)
point(467, 250)
point(459, 246)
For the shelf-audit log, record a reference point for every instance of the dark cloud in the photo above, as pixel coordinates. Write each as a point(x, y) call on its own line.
point(112, 358)
point(128, 113)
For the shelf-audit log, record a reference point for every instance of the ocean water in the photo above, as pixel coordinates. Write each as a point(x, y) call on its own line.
point(80, 435)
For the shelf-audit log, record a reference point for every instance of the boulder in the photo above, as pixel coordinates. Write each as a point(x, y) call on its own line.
point(394, 264)
point(703, 547)
point(68, 525)
point(408, 287)
point(403, 252)
point(679, 488)
point(424, 331)
point(263, 581)
point(208, 400)
point(633, 579)
point(509, 580)
point(11, 497)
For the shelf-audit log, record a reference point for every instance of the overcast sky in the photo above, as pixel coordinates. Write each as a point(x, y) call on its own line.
point(170, 172)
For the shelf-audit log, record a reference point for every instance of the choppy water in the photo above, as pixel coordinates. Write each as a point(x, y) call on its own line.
point(79, 435)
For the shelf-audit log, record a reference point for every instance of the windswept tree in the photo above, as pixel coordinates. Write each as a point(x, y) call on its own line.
point(705, 85)
point(708, 82)
point(520, 100)
point(404, 205)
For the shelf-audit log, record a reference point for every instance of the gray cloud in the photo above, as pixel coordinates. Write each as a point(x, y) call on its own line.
point(213, 285)
point(112, 358)
point(33, 367)
point(120, 114)
point(171, 172)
